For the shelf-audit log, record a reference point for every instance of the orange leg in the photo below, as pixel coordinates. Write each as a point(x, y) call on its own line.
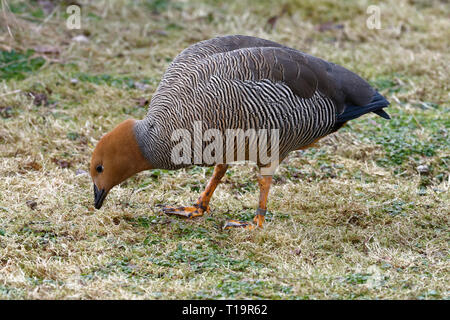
point(202, 204)
point(264, 187)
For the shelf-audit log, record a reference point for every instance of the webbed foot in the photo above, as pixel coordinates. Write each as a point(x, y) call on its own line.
point(257, 222)
point(186, 212)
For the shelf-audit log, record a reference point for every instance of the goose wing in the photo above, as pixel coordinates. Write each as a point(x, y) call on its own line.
point(302, 73)
point(253, 59)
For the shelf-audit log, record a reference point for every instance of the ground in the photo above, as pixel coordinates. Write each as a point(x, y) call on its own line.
point(364, 215)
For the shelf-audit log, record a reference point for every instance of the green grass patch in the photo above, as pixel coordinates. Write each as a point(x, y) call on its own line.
point(17, 65)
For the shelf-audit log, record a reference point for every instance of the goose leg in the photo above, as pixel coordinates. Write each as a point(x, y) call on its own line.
point(202, 204)
point(264, 187)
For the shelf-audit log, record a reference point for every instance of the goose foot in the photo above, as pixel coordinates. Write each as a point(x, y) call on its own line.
point(257, 222)
point(186, 212)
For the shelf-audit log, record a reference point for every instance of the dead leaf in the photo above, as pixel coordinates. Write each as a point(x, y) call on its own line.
point(329, 26)
point(423, 169)
point(47, 6)
point(47, 49)
point(83, 140)
point(31, 204)
point(80, 38)
point(80, 172)
point(39, 98)
point(32, 165)
point(63, 164)
point(142, 102)
point(6, 112)
point(159, 32)
point(272, 21)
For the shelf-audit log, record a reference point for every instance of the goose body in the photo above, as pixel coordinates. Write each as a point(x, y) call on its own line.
point(242, 82)
point(233, 83)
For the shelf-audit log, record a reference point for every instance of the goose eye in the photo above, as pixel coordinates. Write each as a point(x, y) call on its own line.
point(99, 168)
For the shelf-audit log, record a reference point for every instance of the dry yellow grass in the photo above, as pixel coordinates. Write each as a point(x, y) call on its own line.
point(353, 219)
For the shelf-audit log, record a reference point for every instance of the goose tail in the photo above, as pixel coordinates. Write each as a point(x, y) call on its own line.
point(376, 106)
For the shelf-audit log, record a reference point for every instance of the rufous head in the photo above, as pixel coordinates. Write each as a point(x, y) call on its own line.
point(116, 158)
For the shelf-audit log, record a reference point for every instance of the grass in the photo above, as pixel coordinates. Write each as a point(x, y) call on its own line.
point(353, 219)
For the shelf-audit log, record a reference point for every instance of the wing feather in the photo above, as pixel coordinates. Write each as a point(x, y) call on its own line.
point(251, 58)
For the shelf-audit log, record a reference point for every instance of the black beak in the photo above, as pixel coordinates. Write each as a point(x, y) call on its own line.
point(99, 196)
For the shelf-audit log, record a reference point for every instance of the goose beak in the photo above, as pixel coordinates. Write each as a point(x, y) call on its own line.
point(99, 196)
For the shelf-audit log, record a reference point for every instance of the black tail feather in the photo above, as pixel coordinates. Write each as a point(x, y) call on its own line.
point(382, 113)
point(376, 105)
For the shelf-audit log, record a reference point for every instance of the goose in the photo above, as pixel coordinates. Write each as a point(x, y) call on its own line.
point(227, 99)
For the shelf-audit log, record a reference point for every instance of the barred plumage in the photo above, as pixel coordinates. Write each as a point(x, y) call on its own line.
point(266, 98)
point(241, 82)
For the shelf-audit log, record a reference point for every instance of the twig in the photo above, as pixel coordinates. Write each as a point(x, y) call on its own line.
point(143, 188)
point(12, 92)
point(4, 8)
point(47, 18)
